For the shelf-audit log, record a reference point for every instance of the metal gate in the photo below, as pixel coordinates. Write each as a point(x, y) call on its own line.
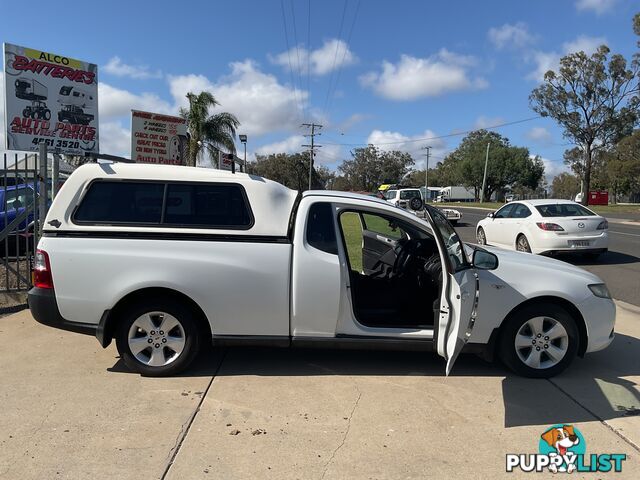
point(24, 199)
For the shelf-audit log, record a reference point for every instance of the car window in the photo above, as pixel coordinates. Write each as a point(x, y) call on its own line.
point(564, 210)
point(520, 211)
point(121, 202)
point(207, 205)
point(504, 212)
point(455, 248)
point(321, 231)
point(186, 204)
point(409, 194)
point(17, 198)
point(378, 224)
point(391, 194)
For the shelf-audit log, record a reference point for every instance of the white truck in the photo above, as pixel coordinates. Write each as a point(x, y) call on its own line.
point(166, 258)
point(456, 194)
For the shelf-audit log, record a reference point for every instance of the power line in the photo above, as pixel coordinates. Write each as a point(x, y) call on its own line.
point(297, 47)
point(312, 147)
point(457, 134)
point(309, 48)
point(344, 55)
point(335, 55)
point(293, 82)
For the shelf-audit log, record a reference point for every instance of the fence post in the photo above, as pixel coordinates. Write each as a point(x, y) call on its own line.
point(42, 187)
point(55, 173)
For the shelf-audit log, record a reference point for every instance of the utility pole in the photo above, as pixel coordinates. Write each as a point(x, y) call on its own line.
point(426, 175)
point(484, 178)
point(312, 146)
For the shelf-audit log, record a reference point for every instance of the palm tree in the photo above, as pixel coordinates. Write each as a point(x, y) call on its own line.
point(209, 133)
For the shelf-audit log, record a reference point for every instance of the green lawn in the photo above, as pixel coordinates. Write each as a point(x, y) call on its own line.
point(352, 229)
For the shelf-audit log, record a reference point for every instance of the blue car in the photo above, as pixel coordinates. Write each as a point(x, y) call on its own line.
point(14, 199)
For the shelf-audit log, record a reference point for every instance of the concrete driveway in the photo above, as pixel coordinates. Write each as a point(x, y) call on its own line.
point(71, 410)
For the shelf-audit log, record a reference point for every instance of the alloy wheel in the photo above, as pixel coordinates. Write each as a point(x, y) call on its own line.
point(541, 342)
point(481, 238)
point(156, 339)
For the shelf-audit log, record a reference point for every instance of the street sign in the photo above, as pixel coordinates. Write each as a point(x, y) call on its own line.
point(158, 138)
point(50, 99)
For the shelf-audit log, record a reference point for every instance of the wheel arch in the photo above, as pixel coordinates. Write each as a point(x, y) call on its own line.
point(559, 301)
point(109, 320)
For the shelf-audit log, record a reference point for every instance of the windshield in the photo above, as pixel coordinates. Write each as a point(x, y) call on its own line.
point(564, 210)
point(409, 194)
point(452, 243)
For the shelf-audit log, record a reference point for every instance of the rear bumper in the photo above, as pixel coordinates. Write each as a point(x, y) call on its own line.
point(551, 242)
point(44, 308)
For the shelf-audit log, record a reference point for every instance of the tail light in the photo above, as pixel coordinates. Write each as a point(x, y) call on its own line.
point(42, 270)
point(549, 227)
point(603, 225)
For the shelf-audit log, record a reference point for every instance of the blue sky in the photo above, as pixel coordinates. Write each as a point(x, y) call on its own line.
point(407, 70)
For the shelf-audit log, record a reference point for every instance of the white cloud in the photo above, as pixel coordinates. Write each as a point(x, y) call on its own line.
point(291, 144)
point(487, 122)
point(116, 67)
point(598, 6)
point(545, 61)
point(539, 135)
point(413, 145)
point(412, 78)
point(333, 54)
point(551, 167)
point(583, 43)
point(511, 36)
point(327, 154)
point(115, 139)
point(260, 102)
point(115, 102)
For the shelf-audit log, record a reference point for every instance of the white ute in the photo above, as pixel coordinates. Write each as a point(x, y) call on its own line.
point(165, 259)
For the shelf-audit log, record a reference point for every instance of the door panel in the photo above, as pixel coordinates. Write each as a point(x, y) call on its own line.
point(454, 329)
point(377, 253)
point(316, 274)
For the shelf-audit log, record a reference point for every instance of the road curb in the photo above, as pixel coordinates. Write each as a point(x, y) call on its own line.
point(627, 306)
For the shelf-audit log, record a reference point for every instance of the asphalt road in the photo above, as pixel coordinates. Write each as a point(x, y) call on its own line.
point(619, 267)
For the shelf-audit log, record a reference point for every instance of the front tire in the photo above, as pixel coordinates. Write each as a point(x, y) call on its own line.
point(539, 341)
point(481, 237)
point(522, 244)
point(158, 337)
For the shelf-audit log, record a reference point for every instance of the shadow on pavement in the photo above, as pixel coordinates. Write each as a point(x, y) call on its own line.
point(609, 258)
point(595, 383)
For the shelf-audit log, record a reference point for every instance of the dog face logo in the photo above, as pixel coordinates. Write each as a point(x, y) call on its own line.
point(563, 441)
point(561, 438)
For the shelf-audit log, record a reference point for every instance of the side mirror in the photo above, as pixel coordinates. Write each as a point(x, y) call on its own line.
point(484, 260)
point(490, 215)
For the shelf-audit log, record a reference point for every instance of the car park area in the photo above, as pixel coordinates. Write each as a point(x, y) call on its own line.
point(271, 413)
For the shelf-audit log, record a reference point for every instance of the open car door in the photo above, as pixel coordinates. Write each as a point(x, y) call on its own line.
point(460, 291)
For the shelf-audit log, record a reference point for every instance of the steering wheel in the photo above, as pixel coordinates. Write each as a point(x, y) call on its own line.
point(405, 252)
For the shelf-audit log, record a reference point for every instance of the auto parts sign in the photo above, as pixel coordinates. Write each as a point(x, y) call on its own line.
point(50, 99)
point(158, 138)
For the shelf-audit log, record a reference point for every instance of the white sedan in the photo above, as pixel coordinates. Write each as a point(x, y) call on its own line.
point(545, 227)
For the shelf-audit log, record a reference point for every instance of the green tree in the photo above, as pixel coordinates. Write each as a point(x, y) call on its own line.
point(623, 166)
point(593, 98)
point(508, 167)
point(370, 167)
point(291, 170)
point(565, 186)
point(208, 133)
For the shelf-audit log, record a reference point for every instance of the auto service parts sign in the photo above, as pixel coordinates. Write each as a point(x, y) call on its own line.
point(50, 99)
point(158, 138)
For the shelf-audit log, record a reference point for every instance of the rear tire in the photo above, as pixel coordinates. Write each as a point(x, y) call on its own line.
point(158, 337)
point(539, 340)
